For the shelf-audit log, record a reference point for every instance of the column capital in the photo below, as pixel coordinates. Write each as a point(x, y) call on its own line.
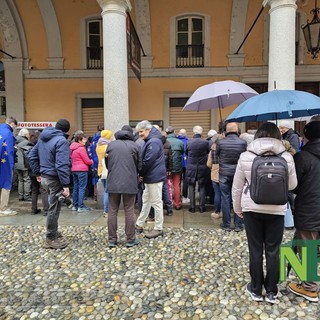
point(275, 4)
point(110, 5)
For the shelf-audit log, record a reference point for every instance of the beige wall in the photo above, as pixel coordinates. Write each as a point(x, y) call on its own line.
point(147, 100)
point(48, 100)
point(35, 33)
point(162, 11)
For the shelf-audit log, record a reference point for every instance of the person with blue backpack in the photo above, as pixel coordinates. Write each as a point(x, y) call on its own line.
point(263, 209)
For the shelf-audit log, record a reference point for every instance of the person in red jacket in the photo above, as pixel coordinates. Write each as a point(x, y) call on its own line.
point(80, 166)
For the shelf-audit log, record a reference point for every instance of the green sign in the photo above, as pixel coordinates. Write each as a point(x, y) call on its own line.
point(306, 265)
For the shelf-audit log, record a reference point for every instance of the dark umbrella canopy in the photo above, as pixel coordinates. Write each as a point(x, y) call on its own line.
point(275, 105)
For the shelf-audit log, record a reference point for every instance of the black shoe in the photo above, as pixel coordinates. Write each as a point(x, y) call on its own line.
point(192, 210)
point(169, 212)
point(20, 199)
point(238, 229)
point(178, 208)
point(223, 227)
point(36, 211)
point(139, 229)
point(45, 214)
point(202, 209)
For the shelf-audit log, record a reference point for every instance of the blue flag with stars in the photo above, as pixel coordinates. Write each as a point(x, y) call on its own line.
point(7, 141)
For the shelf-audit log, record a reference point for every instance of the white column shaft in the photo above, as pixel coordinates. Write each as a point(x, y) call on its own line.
point(282, 44)
point(115, 67)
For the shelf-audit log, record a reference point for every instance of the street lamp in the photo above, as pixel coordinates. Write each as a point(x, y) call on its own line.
point(311, 32)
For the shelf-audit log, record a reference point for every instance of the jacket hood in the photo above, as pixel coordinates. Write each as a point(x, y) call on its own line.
point(75, 146)
point(103, 141)
point(49, 133)
point(262, 145)
point(20, 138)
point(313, 146)
point(154, 133)
point(96, 136)
point(124, 135)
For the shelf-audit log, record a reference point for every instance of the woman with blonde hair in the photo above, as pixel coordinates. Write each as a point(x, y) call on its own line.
point(101, 149)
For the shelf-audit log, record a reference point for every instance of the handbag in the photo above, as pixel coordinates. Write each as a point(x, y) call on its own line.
point(104, 173)
point(288, 218)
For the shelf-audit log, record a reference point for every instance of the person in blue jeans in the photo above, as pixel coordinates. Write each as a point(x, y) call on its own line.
point(102, 146)
point(80, 166)
point(228, 150)
point(213, 164)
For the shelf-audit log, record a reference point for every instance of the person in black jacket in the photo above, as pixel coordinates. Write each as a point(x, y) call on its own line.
point(123, 162)
point(197, 153)
point(50, 161)
point(153, 173)
point(289, 134)
point(307, 201)
point(228, 150)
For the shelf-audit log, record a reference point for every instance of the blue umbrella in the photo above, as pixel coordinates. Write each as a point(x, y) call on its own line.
point(275, 105)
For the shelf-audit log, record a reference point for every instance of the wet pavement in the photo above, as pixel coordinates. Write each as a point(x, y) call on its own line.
point(195, 271)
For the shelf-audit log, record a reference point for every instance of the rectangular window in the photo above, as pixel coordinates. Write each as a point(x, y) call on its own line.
point(189, 48)
point(94, 44)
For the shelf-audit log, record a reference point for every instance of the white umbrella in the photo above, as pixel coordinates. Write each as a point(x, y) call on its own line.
point(219, 94)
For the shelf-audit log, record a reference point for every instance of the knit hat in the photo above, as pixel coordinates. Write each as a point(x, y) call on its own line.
point(284, 124)
point(312, 130)
point(127, 128)
point(23, 132)
point(211, 133)
point(107, 134)
point(63, 125)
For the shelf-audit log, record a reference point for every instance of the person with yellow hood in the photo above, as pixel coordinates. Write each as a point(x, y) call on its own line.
point(102, 145)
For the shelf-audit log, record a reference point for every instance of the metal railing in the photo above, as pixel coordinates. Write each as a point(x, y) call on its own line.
point(190, 56)
point(95, 57)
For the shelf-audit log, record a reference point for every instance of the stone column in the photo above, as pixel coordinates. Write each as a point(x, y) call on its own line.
point(115, 67)
point(282, 44)
point(14, 88)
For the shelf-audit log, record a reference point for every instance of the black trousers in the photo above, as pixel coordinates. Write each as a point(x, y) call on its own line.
point(264, 233)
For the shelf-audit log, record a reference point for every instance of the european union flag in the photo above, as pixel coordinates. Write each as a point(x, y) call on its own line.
point(7, 141)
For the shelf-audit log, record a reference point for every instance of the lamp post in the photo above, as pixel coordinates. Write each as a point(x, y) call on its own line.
point(311, 32)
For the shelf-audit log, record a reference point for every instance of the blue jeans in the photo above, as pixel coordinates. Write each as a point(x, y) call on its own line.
point(225, 183)
point(217, 196)
point(105, 196)
point(80, 179)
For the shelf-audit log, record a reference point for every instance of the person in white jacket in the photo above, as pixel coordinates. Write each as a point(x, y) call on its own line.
point(264, 223)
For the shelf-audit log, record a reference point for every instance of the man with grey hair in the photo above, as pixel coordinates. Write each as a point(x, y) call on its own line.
point(153, 174)
point(197, 171)
point(228, 150)
point(24, 181)
point(7, 142)
point(289, 134)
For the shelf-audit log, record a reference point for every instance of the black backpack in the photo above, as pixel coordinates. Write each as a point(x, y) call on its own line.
point(269, 179)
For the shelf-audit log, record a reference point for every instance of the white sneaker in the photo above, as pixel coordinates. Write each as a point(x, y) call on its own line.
point(216, 215)
point(185, 200)
point(7, 212)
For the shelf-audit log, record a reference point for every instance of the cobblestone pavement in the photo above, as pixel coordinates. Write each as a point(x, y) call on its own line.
point(186, 274)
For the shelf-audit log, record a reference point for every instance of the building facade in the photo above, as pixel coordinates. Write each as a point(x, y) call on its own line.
point(54, 60)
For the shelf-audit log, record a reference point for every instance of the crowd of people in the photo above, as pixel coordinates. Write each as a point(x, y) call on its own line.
point(161, 170)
